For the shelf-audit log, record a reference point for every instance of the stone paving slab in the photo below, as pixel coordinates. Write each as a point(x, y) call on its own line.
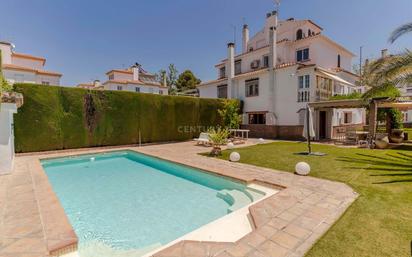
point(33, 222)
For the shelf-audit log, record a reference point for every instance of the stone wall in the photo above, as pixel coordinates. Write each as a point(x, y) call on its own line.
point(275, 132)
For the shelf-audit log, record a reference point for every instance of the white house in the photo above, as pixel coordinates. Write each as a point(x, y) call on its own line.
point(18, 67)
point(133, 79)
point(283, 67)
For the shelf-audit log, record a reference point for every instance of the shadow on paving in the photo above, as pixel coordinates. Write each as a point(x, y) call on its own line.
point(400, 164)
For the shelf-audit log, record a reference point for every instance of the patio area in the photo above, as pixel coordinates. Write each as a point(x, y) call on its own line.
point(288, 223)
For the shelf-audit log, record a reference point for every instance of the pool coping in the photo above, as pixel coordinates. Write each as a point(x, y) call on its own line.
point(287, 223)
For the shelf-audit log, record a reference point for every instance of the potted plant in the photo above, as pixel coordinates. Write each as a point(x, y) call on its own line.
point(218, 137)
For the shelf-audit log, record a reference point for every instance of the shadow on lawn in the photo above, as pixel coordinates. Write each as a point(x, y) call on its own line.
point(399, 164)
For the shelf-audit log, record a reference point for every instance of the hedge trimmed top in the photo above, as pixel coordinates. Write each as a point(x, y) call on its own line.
point(54, 118)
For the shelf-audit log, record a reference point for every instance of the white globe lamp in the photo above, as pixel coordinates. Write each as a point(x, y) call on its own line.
point(230, 146)
point(302, 168)
point(234, 157)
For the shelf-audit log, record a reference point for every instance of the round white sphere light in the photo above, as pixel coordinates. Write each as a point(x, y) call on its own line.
point(230, 145)
point(234, 157)
point(302, 168)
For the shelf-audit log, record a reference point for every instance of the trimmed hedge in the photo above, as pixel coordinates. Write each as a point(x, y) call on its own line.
point(54, 118)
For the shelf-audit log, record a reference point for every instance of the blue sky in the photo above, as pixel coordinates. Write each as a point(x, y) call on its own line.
point(85, 38)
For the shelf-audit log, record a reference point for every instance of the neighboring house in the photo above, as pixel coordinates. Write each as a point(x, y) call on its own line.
point(18, 67)
point(95, 85)
point(134, 79)
point(407, 115)
point(282, 68)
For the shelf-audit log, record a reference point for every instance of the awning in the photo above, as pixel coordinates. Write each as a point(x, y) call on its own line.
point(336, 78)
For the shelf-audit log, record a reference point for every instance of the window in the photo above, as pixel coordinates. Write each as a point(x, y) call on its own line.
point(347, 117)
point(303, 88)
point(222, 91)
point(252, 87)
point(302, 55)
point(257, 118)
point(266, 61)
point(309, 32)
point(299, 34)
point(304, 81)
point(119, 88)
point(111, 76)
point(45, 83)
point(160, 92)
point(151, 90)
point(137, 89)
point(238, 67)
point(338, 60)
point(222, 72)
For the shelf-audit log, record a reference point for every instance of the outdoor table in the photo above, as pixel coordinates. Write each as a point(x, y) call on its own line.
point(241, 131)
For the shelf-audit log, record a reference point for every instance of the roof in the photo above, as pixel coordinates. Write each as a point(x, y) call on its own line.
point(27, 56)
point(21, 68)
point(346, 71)
point(119, 71)
point(334, 77)
point(347, 103)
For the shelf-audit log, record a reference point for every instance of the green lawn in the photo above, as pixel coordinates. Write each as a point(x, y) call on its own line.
point(379, 223)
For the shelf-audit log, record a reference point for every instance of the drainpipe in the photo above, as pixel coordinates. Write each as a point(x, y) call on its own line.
point(230, 69)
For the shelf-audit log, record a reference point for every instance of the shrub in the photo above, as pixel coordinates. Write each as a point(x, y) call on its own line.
point(230, 114)
point(54, 118)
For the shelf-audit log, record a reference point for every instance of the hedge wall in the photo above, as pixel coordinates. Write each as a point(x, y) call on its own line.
point(54, 118)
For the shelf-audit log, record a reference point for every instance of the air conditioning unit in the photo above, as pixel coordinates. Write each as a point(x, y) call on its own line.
point(255, 64)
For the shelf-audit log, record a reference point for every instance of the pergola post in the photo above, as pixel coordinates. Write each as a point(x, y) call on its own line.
point(373, 115)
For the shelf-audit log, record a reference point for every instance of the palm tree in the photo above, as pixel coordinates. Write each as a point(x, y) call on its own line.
point(394, 69)
point(400, 31)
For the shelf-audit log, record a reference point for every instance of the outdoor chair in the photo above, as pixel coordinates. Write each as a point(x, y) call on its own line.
point(203, 139)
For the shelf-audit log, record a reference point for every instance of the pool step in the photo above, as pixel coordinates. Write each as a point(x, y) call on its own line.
point(99, 249)
point(235, 198)
point(254, 194)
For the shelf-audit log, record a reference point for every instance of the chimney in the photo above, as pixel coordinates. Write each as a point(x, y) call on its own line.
point(230, 68)
point(96, 83)
point(245, 37)
point(272, 48)
point(136, 71)
point(384, 53)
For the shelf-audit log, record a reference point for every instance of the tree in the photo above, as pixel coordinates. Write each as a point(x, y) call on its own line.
point(395, 69)
point(4, 85)
point(230, 114)
point(187, 80)
point(170, 76)
point(402, 30)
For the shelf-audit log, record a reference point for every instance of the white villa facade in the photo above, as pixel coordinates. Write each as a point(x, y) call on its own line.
point(24, 68)
point(133, 79)
point(280, 70)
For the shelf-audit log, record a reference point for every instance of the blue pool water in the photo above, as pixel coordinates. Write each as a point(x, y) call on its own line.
point(126, 200)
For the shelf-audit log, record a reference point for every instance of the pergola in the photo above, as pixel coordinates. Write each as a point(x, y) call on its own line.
point(400, 103)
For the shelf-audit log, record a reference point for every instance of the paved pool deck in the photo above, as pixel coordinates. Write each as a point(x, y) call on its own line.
point(33, 222)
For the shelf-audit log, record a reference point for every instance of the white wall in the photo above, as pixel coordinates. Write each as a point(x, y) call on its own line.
point(132, 88)
point(28, 63)
point(6, 137)
point(5, 53)
point(14, 76)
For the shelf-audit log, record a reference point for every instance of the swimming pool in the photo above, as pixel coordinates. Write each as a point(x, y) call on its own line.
point(126, 201)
